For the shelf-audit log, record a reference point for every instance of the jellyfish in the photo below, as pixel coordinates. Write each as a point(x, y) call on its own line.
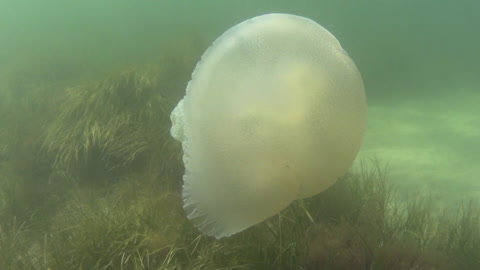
point(275, 111)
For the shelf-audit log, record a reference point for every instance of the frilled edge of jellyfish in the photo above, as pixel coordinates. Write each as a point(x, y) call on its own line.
point(177, 117)
point(198, 216)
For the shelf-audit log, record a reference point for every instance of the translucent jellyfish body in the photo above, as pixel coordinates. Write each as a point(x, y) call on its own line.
point(275, 112)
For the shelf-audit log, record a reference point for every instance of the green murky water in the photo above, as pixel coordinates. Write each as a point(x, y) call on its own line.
point(419, 61)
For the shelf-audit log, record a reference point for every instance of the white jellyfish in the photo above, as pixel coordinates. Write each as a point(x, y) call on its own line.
point(275, 112)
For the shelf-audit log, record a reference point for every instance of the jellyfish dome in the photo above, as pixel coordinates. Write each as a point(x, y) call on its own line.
point(275, 111)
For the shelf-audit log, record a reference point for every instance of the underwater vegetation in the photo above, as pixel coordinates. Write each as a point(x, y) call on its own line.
point(91, 179)
point(118, 119)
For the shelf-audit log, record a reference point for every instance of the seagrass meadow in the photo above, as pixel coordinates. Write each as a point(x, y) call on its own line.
point(90, 177)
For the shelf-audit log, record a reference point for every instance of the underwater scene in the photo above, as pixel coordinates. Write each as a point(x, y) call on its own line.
point(221, 134)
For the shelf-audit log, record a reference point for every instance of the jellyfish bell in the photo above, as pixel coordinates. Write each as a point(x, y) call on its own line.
point(275, 111)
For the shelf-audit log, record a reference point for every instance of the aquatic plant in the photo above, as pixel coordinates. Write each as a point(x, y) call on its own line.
point(122, 120)
point(457, 235)
point(132, 226)
point(371, 229)
point(16, 248)
point(110, 118)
